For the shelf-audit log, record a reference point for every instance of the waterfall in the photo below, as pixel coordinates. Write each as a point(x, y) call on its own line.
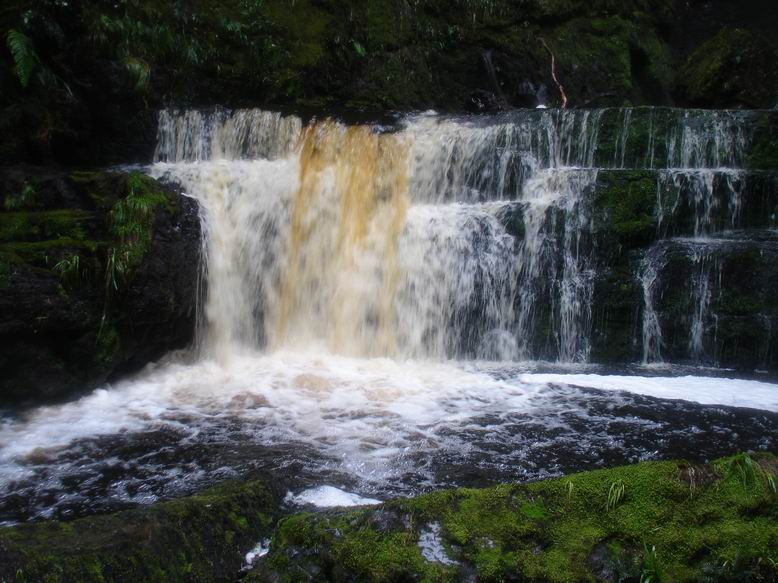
point(440, 236)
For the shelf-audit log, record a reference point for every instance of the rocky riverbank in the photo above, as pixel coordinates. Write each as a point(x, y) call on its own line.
point(667, 521)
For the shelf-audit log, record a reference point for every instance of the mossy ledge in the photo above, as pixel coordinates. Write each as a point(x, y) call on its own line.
point(658, 521)
point(198, 538)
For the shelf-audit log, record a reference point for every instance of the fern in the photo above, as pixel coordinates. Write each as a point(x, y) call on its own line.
point(139, 72)
point(25, 57)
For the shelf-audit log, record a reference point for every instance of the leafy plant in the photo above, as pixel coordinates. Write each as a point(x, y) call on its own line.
point(651, 571)
point(116, 268)
point(744, 468)
point(131, 220)
point(25, 199)
point(70, 270)
point(615, 494)
point(25, 58)
point(139, 72)
point(358, 48)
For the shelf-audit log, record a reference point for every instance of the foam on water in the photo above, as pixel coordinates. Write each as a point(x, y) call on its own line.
point(704, 390)
point(328, 497)
point(384, 425)
point(345, 266)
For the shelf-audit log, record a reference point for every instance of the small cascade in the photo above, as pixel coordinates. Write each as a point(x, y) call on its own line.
point(193, 135)
point(705, 266)
point(650, 268)
point(444, 237)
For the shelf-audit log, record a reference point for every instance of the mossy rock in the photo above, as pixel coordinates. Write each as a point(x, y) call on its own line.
point(198, 538)
point(667, 520)
point(98, 275)
point(624, 206)
point(734, 68)
point(763, 154)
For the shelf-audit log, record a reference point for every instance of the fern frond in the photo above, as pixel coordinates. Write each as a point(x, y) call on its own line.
point(25, 57)
point(139, 72)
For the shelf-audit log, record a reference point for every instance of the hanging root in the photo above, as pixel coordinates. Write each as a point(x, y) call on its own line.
point(553, 74)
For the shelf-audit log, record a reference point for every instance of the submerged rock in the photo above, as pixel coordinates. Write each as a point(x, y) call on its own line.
point(98, 272)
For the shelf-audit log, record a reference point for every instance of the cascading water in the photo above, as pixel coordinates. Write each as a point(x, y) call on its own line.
point(378, 299)
point(367, 243)
point(439, 237)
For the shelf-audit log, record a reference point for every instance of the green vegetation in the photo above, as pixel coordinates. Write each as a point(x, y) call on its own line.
point(735, 67)
point(655, 521)
point(199, 538)
point(615, 494)
point(25, 199)
point(624, 206)
point(25, 57)
point(132, 220)
point(71, 270)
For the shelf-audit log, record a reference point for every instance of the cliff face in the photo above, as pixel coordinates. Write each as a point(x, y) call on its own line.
point(93, 73)
point(98, 274)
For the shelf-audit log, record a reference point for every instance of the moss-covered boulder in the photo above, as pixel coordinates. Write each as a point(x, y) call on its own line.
point(652, 521)
point(98, 272)
point(735, 68)
point(199, 538)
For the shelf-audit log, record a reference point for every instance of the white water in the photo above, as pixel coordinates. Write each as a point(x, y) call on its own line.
point(370, 417)
point(357, 283)
point(708, 391)
point(371, 244)
point(328, 497)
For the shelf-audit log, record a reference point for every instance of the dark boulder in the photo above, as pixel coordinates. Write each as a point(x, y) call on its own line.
point(735, 68)
point(98, 275)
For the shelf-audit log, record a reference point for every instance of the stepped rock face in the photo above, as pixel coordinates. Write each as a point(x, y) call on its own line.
point(98, 272)
point(617, 235)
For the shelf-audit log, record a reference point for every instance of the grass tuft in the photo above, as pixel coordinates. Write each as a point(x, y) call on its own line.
point(744, 468)
point(615, 494)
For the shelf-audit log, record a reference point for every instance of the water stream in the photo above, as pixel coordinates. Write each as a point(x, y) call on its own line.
point(396, 308)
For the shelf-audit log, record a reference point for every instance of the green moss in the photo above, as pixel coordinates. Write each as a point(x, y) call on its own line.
point(673, 518)
point(613, 54)
point(108, 346)
point(26, 199)
point(190, 539)
point(763, 154)
point(46, 254)
point(35, 226)
point(625, 206)
point(735, 67)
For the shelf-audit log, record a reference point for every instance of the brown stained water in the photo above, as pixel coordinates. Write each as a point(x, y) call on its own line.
point(370, 321)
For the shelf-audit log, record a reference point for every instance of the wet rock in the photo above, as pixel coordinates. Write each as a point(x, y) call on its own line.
point(98, 273)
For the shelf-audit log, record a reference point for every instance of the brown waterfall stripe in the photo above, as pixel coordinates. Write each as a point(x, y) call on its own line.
point(542, 212)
